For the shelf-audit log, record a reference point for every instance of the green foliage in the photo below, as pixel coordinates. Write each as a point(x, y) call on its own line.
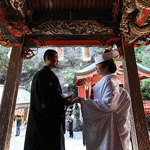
point(144, 59)
point(81, 66)
point(29, 87)
point(97, 49)
point(29, 67)
point(69, 74)
point(36, 58)
point(66, 58)
point(145, 89)
point(4, 59)
point(148, 120)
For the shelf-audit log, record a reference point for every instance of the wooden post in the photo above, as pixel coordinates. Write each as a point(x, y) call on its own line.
point(9, 96)
point(138, 121)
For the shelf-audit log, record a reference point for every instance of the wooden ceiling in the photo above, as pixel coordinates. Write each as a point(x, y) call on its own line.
point(70, 4)
point(74, 19)
point(45, 10)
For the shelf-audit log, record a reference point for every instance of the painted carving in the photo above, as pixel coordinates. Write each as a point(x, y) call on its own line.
point(4, 41)
point(134, 22)
point(72, 27)
point(28, 53)
point(12, 22)
point(131, 26)
point(143, 3)
point(145, 38)
point(19, 5)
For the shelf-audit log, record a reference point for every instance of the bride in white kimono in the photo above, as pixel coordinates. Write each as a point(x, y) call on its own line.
point(105, 117)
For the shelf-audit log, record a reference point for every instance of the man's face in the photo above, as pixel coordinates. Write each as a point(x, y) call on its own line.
point(54, 60)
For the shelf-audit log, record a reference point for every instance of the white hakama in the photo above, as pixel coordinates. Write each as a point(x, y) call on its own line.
point(106, 117)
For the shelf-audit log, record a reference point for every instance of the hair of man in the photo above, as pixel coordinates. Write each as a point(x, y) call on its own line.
point(50, 53)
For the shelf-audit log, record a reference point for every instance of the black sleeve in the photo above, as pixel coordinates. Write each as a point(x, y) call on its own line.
point(47, 101)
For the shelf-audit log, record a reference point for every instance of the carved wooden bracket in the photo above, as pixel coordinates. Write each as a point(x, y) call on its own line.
point(4, 41)
point(131, 26)
point(28, 53)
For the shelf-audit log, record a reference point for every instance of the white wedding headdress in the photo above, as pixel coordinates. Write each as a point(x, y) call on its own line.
point(106, 56)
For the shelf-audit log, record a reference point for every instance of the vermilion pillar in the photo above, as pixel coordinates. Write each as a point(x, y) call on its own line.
point(139, 131)
point(9, 96)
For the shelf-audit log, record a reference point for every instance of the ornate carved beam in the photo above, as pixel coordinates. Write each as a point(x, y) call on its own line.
point(11, 24)
point(145, 39)
point(5, 29)
point(72, 27)
point(63, 40)
point(4, 41)
point(139, 134)
point(135, 19)
point(9, 97)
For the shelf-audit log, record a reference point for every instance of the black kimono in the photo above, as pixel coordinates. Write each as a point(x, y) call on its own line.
point(46, 112)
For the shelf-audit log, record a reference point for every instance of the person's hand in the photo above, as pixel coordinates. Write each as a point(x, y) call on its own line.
point(77, 100)
point(68, 99)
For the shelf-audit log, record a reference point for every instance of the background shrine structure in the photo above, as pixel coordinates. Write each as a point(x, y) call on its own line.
point(87, 78)
point(35, 23)
point(22, 103)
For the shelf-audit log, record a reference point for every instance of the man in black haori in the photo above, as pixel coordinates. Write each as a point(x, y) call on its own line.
point(45, 129)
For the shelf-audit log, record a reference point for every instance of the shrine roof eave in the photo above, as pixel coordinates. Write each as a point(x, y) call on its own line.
point(90, 70)
point(22, 98)
point(87, 70)
point(143, 69)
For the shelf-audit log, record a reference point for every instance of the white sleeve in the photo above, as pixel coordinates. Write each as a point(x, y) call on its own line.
point(100, 105)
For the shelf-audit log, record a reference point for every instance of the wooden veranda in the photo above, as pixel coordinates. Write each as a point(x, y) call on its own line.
point(35, 23)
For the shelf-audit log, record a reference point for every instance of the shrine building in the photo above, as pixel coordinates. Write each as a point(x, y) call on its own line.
point(26, 25)
point(22, 104)
point(87, 78)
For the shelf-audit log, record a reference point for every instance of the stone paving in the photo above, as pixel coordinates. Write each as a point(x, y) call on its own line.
point(75, 143)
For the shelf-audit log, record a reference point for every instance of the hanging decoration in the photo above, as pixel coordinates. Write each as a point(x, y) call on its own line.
point(86, 54)
point(60, 52)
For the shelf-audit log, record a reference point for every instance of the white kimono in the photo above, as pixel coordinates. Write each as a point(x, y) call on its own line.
point(106, 122)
